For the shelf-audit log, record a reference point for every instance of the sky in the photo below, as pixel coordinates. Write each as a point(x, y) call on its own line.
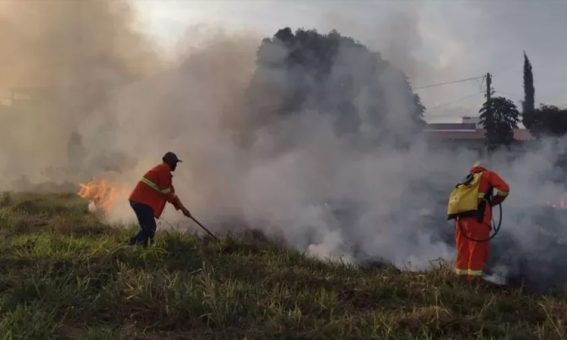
point(433, 41)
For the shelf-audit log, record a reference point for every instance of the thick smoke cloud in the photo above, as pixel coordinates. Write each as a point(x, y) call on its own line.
point(294, 176)
point(71, 58)
point(300, 179)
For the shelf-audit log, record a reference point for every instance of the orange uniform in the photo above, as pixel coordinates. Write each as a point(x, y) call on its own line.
point(155, 189)
point(472, 255)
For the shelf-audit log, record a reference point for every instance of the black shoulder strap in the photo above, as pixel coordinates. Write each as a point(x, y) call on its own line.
point(466, 181)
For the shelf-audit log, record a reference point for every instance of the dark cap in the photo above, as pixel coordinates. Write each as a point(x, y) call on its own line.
point(170, 157)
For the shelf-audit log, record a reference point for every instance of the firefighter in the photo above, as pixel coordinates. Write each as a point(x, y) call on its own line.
point(472, 232)
point(150, 195)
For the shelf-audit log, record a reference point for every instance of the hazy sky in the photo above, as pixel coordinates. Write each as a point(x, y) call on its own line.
point(431, 40)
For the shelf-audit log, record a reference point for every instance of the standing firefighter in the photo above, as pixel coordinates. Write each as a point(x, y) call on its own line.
point(470, 204)
point(150, 195)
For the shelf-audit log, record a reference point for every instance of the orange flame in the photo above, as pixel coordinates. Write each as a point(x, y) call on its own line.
point(102, 193)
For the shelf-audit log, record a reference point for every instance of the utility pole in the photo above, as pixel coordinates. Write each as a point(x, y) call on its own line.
point(486, 150)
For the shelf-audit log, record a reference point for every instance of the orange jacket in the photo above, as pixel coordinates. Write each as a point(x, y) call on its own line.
point(491, 180)
point(155, 189)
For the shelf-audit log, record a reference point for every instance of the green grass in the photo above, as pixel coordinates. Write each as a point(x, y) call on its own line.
point(65, 274)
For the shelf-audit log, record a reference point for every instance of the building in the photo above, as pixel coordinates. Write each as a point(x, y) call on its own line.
point(468, 134)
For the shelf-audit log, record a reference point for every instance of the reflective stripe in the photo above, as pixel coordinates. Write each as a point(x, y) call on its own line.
point(501, 193)
point(461, 271)
point(475, 272)
point(481, 195)
point(155, 186)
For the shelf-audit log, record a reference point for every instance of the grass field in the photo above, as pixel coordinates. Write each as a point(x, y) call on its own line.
point(65, 274)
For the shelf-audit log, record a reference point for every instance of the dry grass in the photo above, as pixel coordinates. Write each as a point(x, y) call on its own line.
point(64, 274)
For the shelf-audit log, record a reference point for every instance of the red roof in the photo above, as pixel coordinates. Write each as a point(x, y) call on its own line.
point(455, 134)
point(523, 135)
point(452, 126)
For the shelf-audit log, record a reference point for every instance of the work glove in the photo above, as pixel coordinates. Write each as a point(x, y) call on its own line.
point(497, 200)
point(177, 203)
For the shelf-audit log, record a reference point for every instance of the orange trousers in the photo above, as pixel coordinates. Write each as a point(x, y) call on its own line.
point(471, 255)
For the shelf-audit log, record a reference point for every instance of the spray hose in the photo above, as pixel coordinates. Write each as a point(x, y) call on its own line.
point(495, 227)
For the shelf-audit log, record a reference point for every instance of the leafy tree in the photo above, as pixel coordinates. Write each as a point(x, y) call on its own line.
point(528, 105)
point(547, 120)
point(551, 121)
point(334, 76)
point(500, 117)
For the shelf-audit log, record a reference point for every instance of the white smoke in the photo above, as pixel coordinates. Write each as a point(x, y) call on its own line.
point(294, 179)
point(297, 192)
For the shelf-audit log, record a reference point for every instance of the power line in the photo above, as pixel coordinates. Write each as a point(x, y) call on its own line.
point(455, 101)
point(448, 82)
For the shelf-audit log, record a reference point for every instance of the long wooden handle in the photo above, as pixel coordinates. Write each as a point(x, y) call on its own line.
point(205, 229)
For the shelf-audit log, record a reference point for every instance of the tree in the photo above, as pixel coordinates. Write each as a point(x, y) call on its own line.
point(528, 105)
point(500, 117)
point(336, 77)
point(547, 120)
point(552, 121)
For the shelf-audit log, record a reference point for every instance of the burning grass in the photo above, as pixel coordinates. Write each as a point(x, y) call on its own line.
point(102, 194)
point(64, 274)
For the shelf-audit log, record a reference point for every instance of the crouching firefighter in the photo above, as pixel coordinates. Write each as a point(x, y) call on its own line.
point(150, 195)
point(470, 204)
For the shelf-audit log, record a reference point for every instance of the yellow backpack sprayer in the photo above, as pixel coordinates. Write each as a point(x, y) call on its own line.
point(466, 201)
